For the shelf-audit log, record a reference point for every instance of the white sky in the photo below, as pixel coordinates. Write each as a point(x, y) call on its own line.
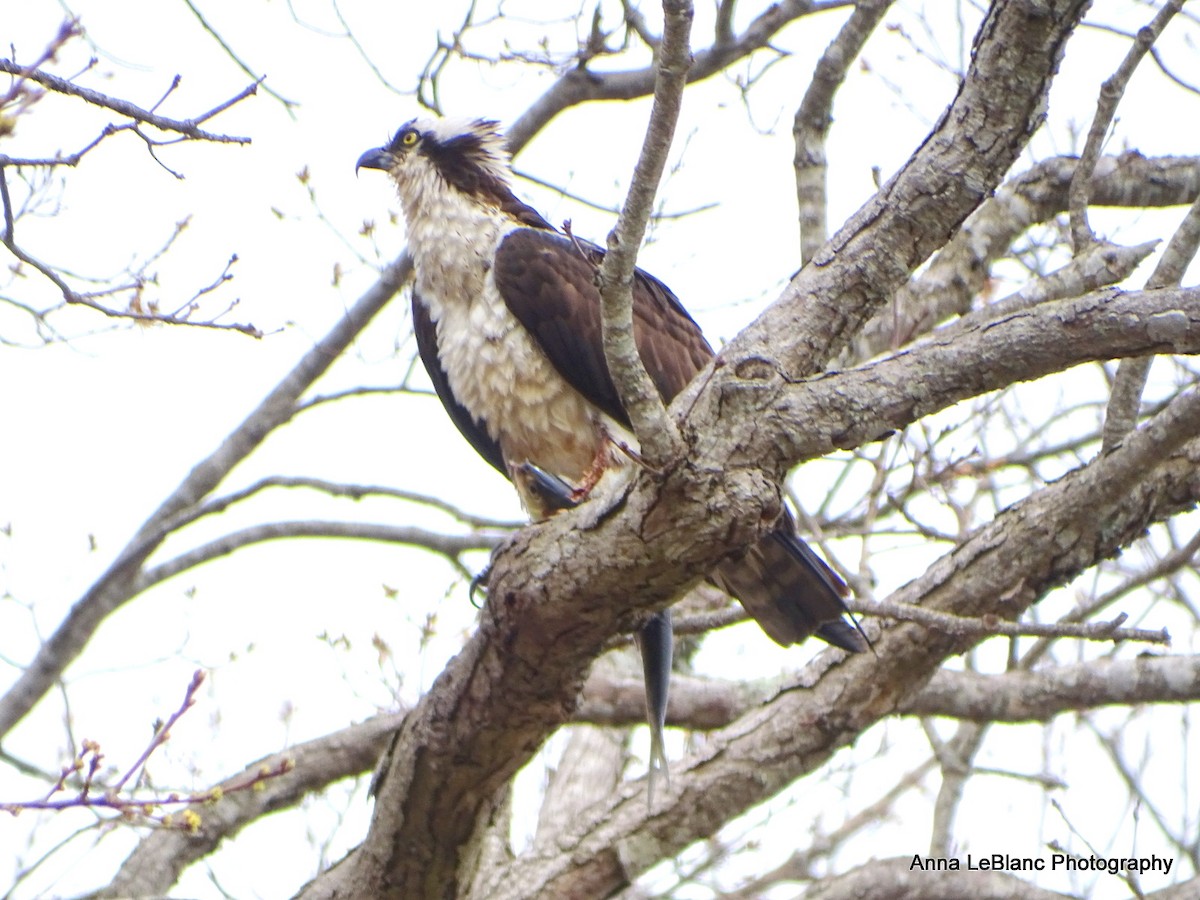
point(97, 431)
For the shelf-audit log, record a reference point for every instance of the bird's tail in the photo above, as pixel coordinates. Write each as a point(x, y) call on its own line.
point(790, 591)
point(655, 641)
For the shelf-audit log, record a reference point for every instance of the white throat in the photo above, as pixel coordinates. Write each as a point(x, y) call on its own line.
point(451, 237)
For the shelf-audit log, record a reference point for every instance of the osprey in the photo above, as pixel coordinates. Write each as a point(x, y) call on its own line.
point(507, 322)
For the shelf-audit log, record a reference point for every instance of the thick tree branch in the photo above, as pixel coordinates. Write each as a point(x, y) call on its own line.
point(878, 398)
point(695, 704)
point(999, 103)
point(1029, 548)
point(1021, 696)
point(553, 605)
point(1100, 266)
point(959, 271)
point(702, 704)
point(895, 879)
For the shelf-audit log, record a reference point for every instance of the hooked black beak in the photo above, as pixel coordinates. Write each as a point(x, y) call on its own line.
point(377, 158)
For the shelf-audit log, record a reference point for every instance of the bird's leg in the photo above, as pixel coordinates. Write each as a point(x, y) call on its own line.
point(605, 457)
point(592, 476)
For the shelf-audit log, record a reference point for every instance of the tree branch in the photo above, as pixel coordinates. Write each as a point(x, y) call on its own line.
point(517, 677)
point(448, 545)
point(1111, 93)
point(878, 398)
point(991, 625)
point(705, 704)
point(1125, 404)
point(189, 128)
point(160, 858)
point(1029, 548)
point(895, 879)
point(813, 118)
point(959, 271)
point(581, 85)
point(658, 438)
point(1038, 696)
point(117, 585)
point(353, 492)
point(1000, 102)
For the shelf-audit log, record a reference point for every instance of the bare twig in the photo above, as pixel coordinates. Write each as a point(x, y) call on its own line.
point(142, 809)
point(655, 216)
point(1111, 93)
point(156, 863)
point(66, 31)
point(1185, 844)
point(993, 625)
point(118, 584)
point(188, 128)
point(258, 79)
point(181, 130)
point(163, 731)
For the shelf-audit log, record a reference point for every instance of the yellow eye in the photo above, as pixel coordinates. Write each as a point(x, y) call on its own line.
point(409, 138)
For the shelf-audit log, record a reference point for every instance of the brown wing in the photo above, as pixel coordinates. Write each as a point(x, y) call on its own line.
point(547, 282)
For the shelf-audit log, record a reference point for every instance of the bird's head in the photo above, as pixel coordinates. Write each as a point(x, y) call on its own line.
point(468, 155)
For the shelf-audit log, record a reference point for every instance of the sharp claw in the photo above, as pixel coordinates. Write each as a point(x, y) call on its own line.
point(655, 641)
point(554, 493)
point(479, 585)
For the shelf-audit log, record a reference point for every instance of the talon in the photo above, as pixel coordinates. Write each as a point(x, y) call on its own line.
point(552, 492)
point(479, 584)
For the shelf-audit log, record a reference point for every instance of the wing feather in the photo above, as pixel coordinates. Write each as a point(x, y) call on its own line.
point(547, 282)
